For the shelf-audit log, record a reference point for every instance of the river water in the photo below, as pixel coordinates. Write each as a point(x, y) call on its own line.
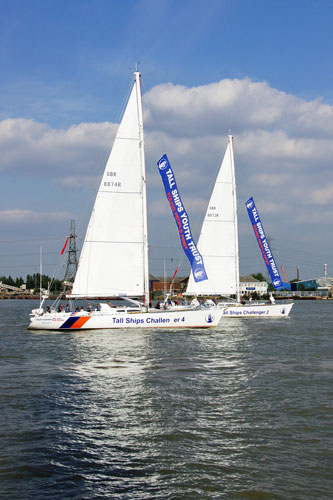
point(243, 411)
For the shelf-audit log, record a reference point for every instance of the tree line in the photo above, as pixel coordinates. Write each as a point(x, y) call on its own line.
point(32, 281)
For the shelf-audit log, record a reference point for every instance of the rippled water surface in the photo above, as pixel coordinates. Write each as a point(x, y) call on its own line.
point(243, 411)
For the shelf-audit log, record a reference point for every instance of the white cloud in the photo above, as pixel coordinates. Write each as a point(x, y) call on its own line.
point(318, 218)
point(263, 144)
point(19, 216)
point(239, 104)
point(26, 145)
point(323, 195)
point(274, 133)
point(283, 152)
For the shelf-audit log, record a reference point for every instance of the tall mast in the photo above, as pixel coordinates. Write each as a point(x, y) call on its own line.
point(144, 189)
point(235, 212)
point(40, 274)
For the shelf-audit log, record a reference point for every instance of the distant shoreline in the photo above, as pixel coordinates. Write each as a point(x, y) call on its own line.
point(36, 297)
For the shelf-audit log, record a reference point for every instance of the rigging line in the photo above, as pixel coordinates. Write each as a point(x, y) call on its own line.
point(115, 242)
point(241, 173)
point(25, 266)
point(306, 263)
point(154, 121)
point(282, 252)
point(297, 260)
point(163, 144)
point(306, 252)
point(163, 246)
point(128, 139)
point(99, 169)
point(299, 254)
point(33, 240)
point(118, 193)
point(27, 254)
point(121, 111)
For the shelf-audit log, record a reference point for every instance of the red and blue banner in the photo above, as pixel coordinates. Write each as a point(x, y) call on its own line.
point(182, 220)
point(263, 244)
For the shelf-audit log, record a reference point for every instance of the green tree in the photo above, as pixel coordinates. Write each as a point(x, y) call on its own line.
point(33, 282)
point(19, 281)
point(29, 282)
point(258, 276)
point(10, 281)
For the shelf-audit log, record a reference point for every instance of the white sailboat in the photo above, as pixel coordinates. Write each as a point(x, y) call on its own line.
point(114, 257)
point(218, 244)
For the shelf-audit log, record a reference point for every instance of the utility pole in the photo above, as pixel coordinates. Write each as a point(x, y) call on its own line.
point(72, 254)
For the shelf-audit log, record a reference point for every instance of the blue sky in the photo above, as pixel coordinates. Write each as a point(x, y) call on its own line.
point(65, 71)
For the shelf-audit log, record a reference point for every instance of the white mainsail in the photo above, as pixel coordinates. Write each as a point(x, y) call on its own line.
point(114, 257)
point(218, 241)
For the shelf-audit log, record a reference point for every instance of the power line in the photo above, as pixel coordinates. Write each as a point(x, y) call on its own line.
point(27, 254)
point(32, 240)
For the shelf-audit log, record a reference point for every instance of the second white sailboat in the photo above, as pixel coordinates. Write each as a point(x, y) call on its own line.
point(218, 244)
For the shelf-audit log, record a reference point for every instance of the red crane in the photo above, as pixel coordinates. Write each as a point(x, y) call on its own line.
point(284, 274)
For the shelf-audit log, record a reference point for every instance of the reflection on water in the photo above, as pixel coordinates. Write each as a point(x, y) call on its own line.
point(241, 411)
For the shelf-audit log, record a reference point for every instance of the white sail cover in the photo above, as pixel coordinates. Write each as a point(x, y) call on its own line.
point(218, 241)
point(112, 261)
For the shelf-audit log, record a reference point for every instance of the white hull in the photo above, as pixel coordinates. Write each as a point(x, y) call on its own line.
point(186, 318)
point(257, 310)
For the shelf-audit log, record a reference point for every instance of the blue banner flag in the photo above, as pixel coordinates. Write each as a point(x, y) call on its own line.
point(263, 244)
point(182, 220)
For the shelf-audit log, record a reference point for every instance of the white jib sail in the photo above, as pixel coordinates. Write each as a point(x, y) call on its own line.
point(113, 260)
point(218, 241)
